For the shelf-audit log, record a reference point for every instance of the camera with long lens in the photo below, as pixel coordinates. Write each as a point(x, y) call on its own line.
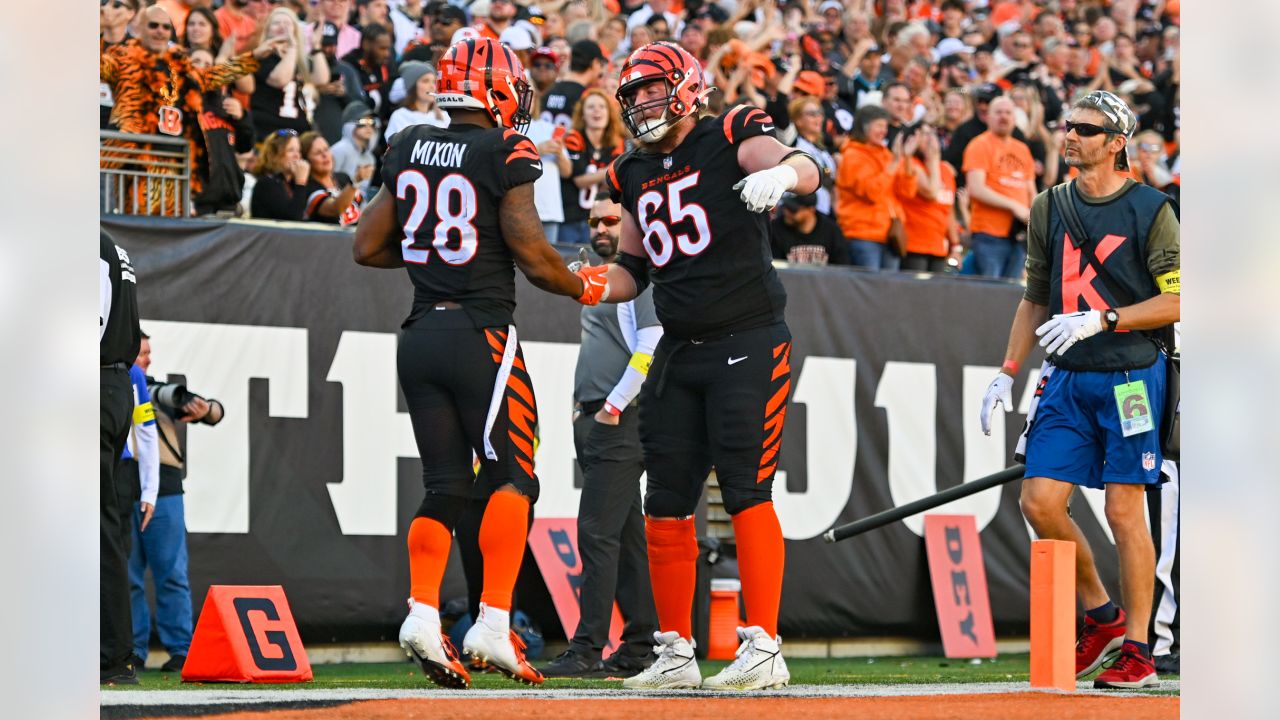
point(173, 397)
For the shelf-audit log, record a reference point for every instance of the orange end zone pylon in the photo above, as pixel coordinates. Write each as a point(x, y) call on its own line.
point(1053, 614)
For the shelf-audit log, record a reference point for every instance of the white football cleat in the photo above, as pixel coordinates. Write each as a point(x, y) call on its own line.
point(423, 641)
point(676, 666)
point(758, 665)
point(492, 641)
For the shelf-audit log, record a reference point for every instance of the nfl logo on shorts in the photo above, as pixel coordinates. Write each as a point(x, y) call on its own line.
point(1148, 461)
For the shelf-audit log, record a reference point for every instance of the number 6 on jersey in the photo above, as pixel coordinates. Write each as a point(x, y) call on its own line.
point(449, 219)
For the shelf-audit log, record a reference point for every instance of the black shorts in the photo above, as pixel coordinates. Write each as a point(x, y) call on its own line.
point(719, 403)
point(468, 390)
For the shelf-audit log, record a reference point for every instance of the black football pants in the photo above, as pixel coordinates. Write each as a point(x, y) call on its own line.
point(719, 402)
point(115, 402)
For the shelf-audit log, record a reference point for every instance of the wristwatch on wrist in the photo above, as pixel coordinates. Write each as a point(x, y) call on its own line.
point(1111, 318)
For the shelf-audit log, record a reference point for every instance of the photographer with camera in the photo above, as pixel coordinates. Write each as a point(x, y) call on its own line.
point(163, 547)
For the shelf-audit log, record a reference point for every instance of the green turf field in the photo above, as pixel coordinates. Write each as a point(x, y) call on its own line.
point(804, 671)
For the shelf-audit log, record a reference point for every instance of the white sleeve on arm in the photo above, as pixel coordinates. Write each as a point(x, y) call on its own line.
point(147, 449)
point(104, 296)
point(638, 369)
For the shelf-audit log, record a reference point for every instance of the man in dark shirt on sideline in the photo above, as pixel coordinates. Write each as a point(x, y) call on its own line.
point(800, 234)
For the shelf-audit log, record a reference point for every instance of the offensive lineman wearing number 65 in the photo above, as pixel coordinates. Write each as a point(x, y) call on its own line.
point(695, 195)
point(456, 209)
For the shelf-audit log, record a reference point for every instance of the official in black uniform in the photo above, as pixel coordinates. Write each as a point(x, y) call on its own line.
point(618, 341)
point(456, 209)
point(695, 195)
point(118, 338)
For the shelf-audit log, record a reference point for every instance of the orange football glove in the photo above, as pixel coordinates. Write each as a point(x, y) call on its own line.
point(595, 286)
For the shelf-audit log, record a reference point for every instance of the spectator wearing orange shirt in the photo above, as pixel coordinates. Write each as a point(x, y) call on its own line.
point(239, 19)
point(928, 214)
point(869, 177)
point(1001, 178)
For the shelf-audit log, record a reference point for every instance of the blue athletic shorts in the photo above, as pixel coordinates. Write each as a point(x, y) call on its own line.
point(1075, 435)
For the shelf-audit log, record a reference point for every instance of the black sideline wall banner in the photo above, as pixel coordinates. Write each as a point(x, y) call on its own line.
point(311, 480)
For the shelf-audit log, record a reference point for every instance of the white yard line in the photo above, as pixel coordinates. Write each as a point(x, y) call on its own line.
point(254, 695)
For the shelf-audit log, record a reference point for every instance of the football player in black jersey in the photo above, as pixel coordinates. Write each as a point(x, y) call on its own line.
point(695, 195)
point(456, 209)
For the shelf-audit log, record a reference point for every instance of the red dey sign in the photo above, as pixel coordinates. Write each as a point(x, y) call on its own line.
point(959, 586)
point(554, 542)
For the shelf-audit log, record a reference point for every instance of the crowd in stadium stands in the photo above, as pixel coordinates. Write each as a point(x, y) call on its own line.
point(936, 121)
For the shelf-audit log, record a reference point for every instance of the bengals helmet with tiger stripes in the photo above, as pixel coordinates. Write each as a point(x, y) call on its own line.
point(483, 74)
point(686, 88)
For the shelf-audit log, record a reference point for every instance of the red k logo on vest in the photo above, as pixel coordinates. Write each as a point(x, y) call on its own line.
point(1078, 275)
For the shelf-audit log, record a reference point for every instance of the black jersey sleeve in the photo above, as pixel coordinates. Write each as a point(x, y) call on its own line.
point(744, 122)
point(611, 182)
point(516, 161)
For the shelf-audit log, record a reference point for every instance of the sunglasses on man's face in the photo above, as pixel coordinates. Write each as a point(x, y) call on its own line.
point(153, 25)
point(365, 122)
point(608, 220)
point(543, 66)
point(1085, 129)
point(117, 4)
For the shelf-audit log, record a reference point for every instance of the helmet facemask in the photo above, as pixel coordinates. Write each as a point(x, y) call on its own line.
point(634, 115)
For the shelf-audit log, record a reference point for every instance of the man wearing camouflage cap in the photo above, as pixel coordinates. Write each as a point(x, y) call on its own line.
point(1101, 298)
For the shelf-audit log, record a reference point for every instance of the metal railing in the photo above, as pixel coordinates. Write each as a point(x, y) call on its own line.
point(144, 174)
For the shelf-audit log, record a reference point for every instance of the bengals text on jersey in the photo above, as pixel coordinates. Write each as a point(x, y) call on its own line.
point(709, 257)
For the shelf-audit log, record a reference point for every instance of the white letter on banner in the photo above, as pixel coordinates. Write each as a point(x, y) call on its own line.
point(825, 387)
point(374, 433)
point(908, 393)
point(218, 361)
point(551, 367)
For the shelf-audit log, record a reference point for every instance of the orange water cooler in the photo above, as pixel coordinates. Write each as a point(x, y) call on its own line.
point(722, 633)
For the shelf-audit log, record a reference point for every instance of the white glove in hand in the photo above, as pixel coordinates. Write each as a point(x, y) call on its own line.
point(762, 190)
point(1063, 331)
point(999, 391)
point(581, 262)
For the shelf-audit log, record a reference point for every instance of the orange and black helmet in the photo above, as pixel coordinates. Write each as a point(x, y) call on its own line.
point(669, 63)
point(483, 74)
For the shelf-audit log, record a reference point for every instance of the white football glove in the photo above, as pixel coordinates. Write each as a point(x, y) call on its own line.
point(762, 190)
point(581, 262)
point(1063, 331)
point(999, 391)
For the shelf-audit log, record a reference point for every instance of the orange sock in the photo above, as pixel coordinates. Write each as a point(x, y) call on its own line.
point(761, 555)
point(673, 555)
point(502, 537)
point(428, 554)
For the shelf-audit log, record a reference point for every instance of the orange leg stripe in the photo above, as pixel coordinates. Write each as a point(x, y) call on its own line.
point(516, 362)
point(765, 473)
point(778, 350)
point(778, 398)
point(527, 465)
point(494, 343)
point(522, 444)
point(497, 358)
point(521, 390)
point(784, 365)
point(777, 430)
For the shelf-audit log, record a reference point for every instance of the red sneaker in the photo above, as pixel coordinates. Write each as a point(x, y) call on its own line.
point(1131, 670)
point(1097, 643)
